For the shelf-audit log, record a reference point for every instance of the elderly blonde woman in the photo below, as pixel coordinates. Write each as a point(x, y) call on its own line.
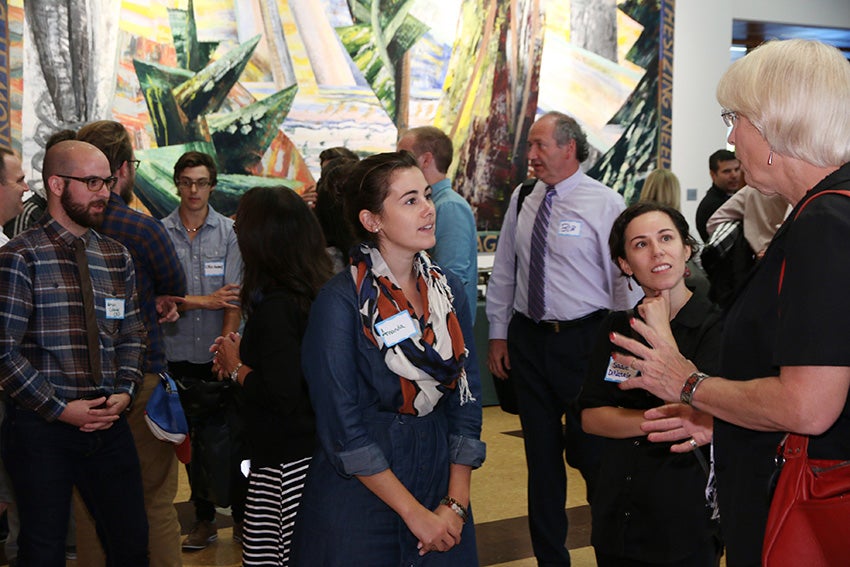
point(662, 186)
point(785, 359)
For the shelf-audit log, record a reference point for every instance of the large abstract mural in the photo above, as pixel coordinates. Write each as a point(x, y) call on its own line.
point(266, 85)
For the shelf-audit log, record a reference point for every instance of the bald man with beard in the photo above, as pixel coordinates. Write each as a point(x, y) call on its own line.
point(65, 425)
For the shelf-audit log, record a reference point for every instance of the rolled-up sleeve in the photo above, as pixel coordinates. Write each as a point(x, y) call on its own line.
point(465, 445)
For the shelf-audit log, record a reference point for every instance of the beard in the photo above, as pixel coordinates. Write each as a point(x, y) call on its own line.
point(126, 190)
point(82, 214)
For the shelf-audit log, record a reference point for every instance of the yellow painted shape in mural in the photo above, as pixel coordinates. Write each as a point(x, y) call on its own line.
point(147, 19)
point(304, 75)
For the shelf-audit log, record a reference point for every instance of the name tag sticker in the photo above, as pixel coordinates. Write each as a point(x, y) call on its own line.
point(618, 372)
point(114, 308)
point(569, 228)
point(213, 269)
point(396, 329)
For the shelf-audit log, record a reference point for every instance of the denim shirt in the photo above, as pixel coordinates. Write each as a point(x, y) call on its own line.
point(210, 261)
point(356, 396)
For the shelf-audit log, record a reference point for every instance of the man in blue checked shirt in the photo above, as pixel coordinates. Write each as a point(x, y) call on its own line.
point(66, 424)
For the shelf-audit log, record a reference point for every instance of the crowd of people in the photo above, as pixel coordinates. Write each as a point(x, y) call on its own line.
point(323, 344)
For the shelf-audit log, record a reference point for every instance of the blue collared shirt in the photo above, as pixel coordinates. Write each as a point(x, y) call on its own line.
point(457, 240)
point(44, 360)
point(158, 271)
point(210, 261)
point(580, 276)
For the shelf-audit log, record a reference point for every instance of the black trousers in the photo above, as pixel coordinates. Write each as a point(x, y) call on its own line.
point(548, 368)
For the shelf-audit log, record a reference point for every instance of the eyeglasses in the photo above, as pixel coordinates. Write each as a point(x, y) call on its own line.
point(729, 117)
point(136, 163)
point(93, 182)
point(199, 183)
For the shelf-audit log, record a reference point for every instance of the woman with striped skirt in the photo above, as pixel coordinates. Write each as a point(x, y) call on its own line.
point(285, 264)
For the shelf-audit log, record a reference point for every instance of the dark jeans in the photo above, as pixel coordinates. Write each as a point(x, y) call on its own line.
point(548, 370)
point(45, 460)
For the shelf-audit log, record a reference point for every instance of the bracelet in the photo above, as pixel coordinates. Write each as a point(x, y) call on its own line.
point(234, 375)
point(456, 507)
point(689, 388)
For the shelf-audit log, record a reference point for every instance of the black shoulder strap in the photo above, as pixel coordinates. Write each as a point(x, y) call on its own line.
point(524, 191)
point(844, 192)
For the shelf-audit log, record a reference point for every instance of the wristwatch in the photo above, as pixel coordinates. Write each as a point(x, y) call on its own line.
point(234, 375)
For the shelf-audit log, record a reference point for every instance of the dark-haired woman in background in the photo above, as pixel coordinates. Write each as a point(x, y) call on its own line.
point(649, 507)
point(388, 356)
point(285, 264)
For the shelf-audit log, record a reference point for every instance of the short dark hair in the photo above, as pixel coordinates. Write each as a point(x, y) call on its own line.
point(111, 138)
point(3, 153)
point(434, 140)
point(718, 156)
point(617, 238)
point(282, 246)
point(336, 152)
point(60, 136)
point(368, 186)
point(566, 129)
point(329, 203)
point(196, 159)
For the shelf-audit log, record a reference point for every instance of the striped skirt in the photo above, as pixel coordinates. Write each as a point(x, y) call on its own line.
point(274, 494)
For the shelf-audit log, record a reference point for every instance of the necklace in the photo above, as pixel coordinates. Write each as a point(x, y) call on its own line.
point(192, 229)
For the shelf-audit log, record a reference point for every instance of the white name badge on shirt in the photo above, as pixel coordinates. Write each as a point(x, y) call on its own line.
point(213, 269)
point(396, 329)
point(618, 372)
point(114, 308)
point(569, 228)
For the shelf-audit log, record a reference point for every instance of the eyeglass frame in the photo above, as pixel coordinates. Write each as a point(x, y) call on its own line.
point(109, 182)
point(136, 163)
point(188, 183)
point(730, 117)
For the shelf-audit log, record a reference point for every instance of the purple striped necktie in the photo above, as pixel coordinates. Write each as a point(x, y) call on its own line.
point(537, 258)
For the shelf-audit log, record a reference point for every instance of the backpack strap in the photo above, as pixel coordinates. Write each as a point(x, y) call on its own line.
point(524, 191)
point(844, 192)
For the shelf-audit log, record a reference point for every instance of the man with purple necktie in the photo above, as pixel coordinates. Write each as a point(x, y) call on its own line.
point(553, 281)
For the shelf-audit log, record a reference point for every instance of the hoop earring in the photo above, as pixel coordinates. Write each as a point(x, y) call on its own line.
point(629, 282)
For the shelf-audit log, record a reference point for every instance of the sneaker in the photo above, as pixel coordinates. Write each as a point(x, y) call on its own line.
point(202, 534)
point(237, 532)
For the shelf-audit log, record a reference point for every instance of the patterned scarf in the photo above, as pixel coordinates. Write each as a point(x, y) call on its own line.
point(430, 363)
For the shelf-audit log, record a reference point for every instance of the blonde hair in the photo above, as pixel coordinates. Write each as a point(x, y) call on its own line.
point(795, 92)
point(662, 186)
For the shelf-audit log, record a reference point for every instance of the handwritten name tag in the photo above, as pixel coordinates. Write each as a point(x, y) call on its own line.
point(618, 372)
point(214, 268)
point(569, 228)
point(114, 308)
point(396, 329)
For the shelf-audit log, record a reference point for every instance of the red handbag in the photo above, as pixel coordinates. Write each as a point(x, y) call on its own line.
point(809, 519)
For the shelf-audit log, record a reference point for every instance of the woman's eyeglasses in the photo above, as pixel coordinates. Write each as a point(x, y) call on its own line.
point(729, 117)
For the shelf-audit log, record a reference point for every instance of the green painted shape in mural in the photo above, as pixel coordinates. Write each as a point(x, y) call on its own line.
point(231, 187)
point(206, 91)
point(155, 180)
point(249, 131)
point(377, 41)
point(170, 125)
point(191, 54)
